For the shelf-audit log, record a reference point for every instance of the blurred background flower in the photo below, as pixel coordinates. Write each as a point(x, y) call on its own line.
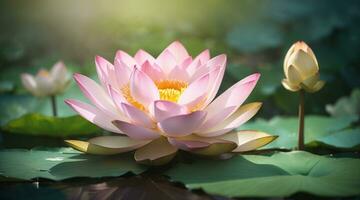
point(47, 83)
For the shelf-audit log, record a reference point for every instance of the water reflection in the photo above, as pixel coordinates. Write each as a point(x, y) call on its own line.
point(135, 187)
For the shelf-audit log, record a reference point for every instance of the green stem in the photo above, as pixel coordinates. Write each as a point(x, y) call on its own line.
point(301, 121)
point(53, 105)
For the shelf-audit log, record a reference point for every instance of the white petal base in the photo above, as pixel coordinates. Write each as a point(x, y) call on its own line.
point(106, 145)
point(157, 152)
point(248, 140)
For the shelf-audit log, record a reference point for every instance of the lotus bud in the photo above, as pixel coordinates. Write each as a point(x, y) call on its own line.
point(301, 69)
point(47, 83)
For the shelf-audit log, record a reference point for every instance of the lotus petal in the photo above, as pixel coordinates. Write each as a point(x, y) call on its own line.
point(107, 145)
point(248, 140)
point(157, 152)
point(182, 125)
point(136, 132)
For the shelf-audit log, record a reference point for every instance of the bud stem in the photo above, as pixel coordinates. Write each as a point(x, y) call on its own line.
point(53, 105)
point(301, 121)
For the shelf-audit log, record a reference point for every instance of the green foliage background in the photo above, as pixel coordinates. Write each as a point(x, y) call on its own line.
point(254, 34)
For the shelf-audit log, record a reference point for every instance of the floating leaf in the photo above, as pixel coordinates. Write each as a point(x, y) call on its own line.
point(349, 138)
point(41, 125)
point(278, 175)
point(317, 129)
point(63, 163)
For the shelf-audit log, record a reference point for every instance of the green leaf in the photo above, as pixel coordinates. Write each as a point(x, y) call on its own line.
point(317, 129)
point(63, 163)
point(349, 138)
point(41, 125)
point(278, 175)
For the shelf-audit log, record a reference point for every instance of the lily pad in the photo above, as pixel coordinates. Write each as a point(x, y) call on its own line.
point(318, 129)
point(63, 163)
point(342, 139)
point(278, 175)
point(58, 127)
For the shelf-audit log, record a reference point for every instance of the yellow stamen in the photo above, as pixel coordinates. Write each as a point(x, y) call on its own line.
point(127, 95)
point(171, 90)
point(43, 73)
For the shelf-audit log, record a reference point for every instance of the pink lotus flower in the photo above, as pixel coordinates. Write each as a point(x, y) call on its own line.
point(160, 105)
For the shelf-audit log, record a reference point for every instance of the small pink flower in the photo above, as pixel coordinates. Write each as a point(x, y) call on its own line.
point(163, 104)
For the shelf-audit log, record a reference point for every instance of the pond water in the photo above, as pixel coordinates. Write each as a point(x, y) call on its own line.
point(128, 187)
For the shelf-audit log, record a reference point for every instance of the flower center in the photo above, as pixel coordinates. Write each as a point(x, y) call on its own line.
point(43, 73)
point(169, 90)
